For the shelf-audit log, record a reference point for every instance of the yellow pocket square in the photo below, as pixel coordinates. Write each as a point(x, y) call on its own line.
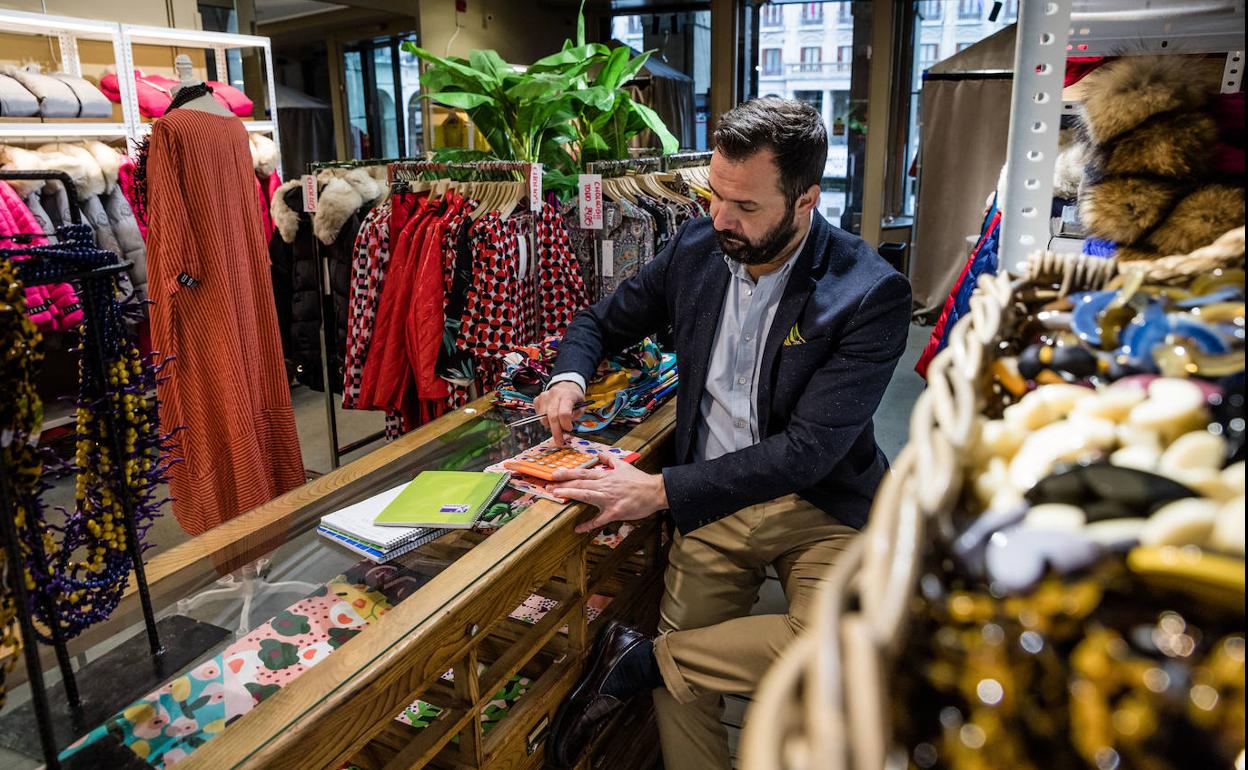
point(794, 337)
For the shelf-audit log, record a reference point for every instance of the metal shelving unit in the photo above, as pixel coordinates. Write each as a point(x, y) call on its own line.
point(1051, 30)
point(69, 30)
point(218, 43)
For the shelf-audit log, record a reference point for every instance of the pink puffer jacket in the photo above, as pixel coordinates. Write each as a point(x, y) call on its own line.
point(54, 307)
point(155, 94)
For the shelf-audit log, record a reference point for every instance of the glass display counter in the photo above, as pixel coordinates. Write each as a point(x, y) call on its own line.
point(286, 650)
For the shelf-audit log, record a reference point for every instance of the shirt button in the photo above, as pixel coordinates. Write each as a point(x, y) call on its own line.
point(749, 337)
point(740, 423)
point(749, 292)
point(740, 380)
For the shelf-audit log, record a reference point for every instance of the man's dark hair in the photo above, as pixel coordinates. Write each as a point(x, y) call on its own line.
point(792, 130)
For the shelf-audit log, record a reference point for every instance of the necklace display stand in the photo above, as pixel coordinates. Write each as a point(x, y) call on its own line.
point(55, 717)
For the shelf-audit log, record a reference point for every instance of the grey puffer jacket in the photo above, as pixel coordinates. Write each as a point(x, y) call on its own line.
point(94, 170)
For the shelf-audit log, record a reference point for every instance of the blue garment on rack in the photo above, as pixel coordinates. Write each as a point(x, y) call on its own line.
point(1097, 247)
point(982, 261)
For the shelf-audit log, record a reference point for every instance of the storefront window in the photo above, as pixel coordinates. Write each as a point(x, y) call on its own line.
point(681, 42)
point(384, 114)
point(824, 85)
point(938, 33)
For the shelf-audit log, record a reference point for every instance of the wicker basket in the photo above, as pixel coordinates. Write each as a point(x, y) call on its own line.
point(824, 705)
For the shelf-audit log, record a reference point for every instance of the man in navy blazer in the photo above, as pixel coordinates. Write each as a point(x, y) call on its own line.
point(787, 330)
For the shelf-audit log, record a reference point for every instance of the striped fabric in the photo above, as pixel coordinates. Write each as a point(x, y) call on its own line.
point(213, 311)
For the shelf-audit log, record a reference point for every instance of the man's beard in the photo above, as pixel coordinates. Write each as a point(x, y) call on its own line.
point(766, 249)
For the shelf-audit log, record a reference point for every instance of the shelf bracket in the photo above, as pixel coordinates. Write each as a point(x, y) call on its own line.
point(1035, 119)
point(222, 64)
point(1233, 72)
point(71, 64)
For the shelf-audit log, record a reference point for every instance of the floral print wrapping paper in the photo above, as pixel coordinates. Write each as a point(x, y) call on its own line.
point(167, 725)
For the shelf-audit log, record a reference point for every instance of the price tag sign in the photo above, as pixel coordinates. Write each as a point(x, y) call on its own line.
point(608, 259)
point(309, 192)
point(590, 201)
point(535, 187)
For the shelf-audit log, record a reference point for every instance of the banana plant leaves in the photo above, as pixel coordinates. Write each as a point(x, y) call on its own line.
point(564, 110)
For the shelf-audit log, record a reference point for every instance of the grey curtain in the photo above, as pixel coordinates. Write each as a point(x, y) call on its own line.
point(962, 147)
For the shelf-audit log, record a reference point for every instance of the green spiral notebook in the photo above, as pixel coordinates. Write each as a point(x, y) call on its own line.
point(445, 499)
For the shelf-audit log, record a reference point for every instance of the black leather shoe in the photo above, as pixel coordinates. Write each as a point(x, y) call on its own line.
point(587, 708)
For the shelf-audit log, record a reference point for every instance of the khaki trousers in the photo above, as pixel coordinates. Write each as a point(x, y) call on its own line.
point(708, 644)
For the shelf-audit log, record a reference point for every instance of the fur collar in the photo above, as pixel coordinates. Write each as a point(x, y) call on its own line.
point(285, 219)
point(109, 161)
point(73, 165)
point(19, 159)
point(340, 196)
point(1124, 93)
point(263, 154)
point(61, 157)
point(338, 200)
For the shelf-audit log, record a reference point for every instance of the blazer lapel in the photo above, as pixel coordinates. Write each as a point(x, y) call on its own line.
point(796, 292)
point(693, 365)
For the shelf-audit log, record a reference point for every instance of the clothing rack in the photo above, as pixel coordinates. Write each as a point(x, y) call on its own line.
point(10, 535)
point(609, 168)
point(617, 168)
point(686, 159)
point(397, 170)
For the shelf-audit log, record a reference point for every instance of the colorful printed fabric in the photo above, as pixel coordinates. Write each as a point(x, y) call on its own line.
point(165, 726)
point(561, 292)
point(421, 714)
point(627, 387)
point(536, 607)
point(495, 318)
point(369, 258)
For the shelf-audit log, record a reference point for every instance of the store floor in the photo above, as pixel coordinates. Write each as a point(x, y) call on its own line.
point(891, 429)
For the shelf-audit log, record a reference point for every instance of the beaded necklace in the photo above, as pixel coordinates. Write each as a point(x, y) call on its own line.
point(21, 414)
point(83, 566)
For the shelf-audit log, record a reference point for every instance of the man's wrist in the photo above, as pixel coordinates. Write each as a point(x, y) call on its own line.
point(660, 492)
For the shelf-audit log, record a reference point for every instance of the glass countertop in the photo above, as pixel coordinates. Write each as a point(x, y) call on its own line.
point(245, 583)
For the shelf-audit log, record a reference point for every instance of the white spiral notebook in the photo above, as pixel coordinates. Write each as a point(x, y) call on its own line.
point(353, 527)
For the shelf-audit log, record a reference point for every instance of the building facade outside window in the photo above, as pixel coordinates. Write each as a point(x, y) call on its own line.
point(929, 54)
point(931, 11)
point(970, 10)
point(773, 15)
point(812, 57)
point(771, 61)
point(812, 13)
point(844, 57)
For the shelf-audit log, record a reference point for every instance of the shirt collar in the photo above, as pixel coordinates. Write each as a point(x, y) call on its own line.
point(738, 269)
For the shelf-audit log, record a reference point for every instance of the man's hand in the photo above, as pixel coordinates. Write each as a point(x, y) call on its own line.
point(559, 405)
point(620, 492)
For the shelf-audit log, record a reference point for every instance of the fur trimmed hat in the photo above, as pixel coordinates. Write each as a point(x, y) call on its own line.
point(1152, 137)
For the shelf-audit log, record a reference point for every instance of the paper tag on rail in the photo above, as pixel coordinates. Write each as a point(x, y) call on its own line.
point(589, 200)
point(309, 192)
point(608, 259)
point(535, 187)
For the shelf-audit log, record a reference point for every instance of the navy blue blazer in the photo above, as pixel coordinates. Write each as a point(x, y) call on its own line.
point(819, 387)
